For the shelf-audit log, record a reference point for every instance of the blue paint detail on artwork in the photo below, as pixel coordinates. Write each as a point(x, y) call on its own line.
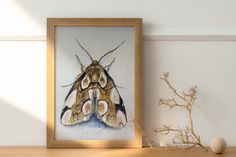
point(94, 122)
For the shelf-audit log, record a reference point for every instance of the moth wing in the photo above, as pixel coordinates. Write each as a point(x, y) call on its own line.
point(110, 108)
point(77, 106)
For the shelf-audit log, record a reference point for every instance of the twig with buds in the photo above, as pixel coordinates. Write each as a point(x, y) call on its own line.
point(184, 138)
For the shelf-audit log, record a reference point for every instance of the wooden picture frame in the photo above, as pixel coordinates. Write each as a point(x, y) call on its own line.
point(52, 25)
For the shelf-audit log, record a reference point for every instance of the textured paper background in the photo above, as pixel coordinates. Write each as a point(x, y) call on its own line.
point(97, 41)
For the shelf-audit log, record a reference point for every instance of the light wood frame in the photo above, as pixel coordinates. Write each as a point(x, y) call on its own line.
point(97, 22)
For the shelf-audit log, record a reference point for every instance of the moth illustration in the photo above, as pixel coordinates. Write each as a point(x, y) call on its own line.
point(94, 92)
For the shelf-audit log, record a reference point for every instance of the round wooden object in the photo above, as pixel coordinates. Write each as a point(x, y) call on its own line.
point(218, 145)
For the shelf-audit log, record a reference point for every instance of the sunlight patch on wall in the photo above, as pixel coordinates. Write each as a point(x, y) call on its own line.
point(23, 73)
point(16, 19)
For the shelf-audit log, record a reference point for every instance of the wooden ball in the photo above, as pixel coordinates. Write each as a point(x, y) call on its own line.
point(218, 145)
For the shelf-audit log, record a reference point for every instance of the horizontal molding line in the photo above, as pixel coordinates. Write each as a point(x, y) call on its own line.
point(145, 37)
point(22, 38)
point(189, 37)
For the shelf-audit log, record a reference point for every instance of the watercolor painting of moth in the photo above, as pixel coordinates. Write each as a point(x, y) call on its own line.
point(94, 94)
point(94, 82)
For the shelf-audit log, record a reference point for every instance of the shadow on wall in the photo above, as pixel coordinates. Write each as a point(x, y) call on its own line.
point(38, 11)
point(19, 128)
point(150, 92)
point(41, 10)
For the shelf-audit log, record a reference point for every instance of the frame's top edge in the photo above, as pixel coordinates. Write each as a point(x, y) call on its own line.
point(94, 21)
point(94, 18)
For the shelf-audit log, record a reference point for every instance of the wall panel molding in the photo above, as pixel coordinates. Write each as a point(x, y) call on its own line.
point(189, 37)
point(22, 38)
point(145, 37)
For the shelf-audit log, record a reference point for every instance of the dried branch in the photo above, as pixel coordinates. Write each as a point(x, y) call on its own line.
point(183, 138)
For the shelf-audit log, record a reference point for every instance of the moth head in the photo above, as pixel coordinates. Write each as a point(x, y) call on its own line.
point(94, 63)
point(95, 73)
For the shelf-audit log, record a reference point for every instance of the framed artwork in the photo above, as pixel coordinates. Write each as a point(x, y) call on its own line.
point(94, 82)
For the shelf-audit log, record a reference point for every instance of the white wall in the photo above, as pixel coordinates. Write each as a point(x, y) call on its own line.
point(209, 64)
point(160, 16)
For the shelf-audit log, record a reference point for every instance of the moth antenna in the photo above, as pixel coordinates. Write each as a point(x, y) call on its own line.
point(109, 66)
point(91, 58)
point(82, 66)
point(110, 51)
